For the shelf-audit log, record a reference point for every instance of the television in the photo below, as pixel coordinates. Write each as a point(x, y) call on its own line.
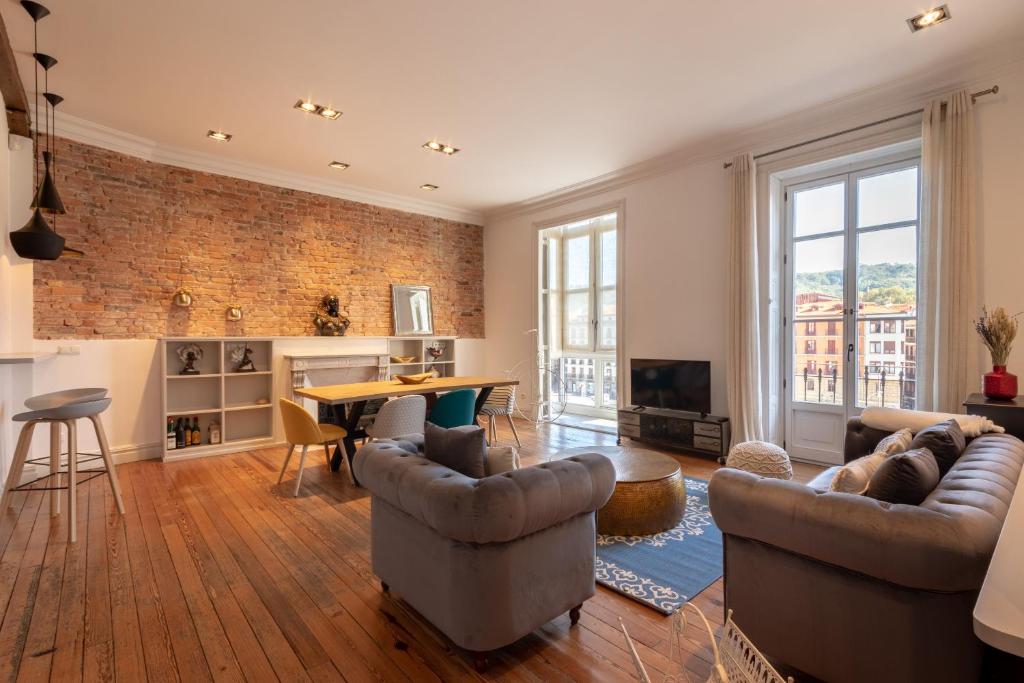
point(673, 384)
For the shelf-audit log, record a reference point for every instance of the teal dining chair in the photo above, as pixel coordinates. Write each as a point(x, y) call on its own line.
point(454, 409)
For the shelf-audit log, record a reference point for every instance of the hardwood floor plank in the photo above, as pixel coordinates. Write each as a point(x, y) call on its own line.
point(21, 572)
point(69, 653)
point(99, 650)
point(129, 657)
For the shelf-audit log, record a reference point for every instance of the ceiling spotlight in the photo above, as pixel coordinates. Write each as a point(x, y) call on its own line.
point(341, 166)
point(219, 136)
point(928, 19)
point(428, 187)
point(306, 106)
point(436, 146)
point(329, 113)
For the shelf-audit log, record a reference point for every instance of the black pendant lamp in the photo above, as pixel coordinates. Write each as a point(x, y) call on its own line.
point(37, 240)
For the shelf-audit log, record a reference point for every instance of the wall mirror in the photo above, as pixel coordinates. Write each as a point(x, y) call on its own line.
point(411, 310)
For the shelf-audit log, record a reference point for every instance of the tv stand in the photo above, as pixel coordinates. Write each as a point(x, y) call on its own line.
point(695, 432)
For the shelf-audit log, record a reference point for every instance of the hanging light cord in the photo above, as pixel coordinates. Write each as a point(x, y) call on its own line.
point(35, 73)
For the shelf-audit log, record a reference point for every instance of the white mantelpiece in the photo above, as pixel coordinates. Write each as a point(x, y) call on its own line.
point(317, 370)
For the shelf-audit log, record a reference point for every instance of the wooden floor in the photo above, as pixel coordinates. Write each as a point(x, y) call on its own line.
point(216, 573)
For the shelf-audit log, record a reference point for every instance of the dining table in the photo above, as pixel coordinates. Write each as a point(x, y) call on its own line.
point(348, 401)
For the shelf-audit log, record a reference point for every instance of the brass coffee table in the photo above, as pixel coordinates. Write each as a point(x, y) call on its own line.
point(649, 496)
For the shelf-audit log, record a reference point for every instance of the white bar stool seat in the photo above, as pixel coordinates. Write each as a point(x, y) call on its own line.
point(56, 399)
point(58, 412)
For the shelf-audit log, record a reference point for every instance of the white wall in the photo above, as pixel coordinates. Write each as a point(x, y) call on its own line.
point(674, 273)
point(676, 243)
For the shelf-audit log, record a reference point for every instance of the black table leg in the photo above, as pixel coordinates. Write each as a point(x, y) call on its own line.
point(350, 422)
point(481, 398)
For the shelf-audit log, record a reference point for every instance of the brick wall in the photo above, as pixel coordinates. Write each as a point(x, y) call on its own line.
point(280, 250)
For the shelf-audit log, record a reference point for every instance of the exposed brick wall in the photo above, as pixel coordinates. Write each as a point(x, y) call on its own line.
point(280, 249)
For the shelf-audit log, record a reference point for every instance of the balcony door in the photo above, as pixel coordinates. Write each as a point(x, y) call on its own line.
point(852, 284)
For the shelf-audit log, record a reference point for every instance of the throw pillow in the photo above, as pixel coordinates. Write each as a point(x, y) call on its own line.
point(501, 459)
point(946, 442)
point(853, 477)
point(897, 442)
point(905, 478)
point(463, 449)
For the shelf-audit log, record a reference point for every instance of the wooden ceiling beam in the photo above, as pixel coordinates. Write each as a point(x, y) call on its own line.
point(18, 120)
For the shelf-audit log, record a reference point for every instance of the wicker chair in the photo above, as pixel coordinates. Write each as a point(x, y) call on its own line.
point(502, 401)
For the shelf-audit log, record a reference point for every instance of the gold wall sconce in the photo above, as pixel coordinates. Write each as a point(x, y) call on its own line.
point(183, 298)
point(233, 313)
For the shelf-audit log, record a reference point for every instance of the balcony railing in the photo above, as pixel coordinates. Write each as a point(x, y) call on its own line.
point(891, 389)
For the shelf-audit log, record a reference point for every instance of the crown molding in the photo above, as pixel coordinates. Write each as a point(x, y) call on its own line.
point(98, 135)
point(894, 97)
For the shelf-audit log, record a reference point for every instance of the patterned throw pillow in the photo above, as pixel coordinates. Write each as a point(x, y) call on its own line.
point(855, 475)
point(897, 442)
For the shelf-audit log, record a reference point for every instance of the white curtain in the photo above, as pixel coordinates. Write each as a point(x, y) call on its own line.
point(743, 364)
point(948, 366)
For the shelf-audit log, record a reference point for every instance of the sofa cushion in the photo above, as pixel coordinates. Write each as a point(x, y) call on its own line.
point(946, 442)
point(853, 477)
point(905, 478)
point(463, 449)
point(897, 442)
point(501, 459)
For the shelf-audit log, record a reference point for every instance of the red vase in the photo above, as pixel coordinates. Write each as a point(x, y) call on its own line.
point(1000, 384)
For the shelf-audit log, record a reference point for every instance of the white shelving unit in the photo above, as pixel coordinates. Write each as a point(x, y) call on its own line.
point(241, 402)
point(423, 361)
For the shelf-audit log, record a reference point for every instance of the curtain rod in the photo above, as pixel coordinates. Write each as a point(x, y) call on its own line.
point(981, 93)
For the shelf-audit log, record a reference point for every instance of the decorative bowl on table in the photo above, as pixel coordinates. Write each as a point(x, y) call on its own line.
point(403, 359)
point(414, 379)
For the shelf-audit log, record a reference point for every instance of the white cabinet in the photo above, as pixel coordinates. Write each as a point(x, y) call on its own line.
point(242, 403)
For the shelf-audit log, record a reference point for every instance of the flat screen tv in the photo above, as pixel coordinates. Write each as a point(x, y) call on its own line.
point(673, 384)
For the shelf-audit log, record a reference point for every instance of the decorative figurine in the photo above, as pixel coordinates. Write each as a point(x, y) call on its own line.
point(241, 357)
point(189, 354)
point(436, 351)
point(330, 320)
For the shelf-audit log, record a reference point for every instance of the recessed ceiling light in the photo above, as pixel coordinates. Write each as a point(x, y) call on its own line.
point(306, 106)
point(435, 146)
point(428, 187)
point(329, 113)
point(341, 166)
point(314, 108)
point(219, 136)
point(928, 19)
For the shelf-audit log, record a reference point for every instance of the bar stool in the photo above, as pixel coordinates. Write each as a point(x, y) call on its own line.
point(57, 410)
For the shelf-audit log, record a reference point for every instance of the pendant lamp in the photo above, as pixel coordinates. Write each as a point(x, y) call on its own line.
point(36, 239)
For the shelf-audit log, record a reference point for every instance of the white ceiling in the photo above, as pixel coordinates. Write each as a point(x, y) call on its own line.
point(538, 94)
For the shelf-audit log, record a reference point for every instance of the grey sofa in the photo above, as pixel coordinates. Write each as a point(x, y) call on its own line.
point(488, 560)
point(849, 589)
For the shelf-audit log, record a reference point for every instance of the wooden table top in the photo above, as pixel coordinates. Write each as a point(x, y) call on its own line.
point(633, 466)
point(368, 391)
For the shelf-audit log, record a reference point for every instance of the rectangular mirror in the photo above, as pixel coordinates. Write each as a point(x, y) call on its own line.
point(411, 310)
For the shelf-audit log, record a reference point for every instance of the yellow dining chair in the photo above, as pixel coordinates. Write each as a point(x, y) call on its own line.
point(300, 429)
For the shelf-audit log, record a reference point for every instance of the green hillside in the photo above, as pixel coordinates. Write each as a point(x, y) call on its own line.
point(881, 282)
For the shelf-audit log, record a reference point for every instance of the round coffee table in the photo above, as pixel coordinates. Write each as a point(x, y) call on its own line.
point(649, 496)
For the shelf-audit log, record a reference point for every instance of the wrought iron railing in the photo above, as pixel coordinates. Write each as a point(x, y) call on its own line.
point(892, 389)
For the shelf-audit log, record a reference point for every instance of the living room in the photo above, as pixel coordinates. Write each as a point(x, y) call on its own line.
point(601, 283)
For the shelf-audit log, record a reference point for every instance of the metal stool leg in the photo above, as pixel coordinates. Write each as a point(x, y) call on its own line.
point(55, 467)
point(108, 460)
point(18, 464)
point(72, 481)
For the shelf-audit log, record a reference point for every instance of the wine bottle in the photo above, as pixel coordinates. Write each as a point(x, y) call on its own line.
point(172, 438)
point(197, 436)
point(179, 434)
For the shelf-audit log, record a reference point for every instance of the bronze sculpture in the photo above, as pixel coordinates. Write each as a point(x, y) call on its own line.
point(330, 320)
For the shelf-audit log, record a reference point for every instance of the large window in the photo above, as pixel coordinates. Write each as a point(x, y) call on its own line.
point(578, 309)
point(854, 248)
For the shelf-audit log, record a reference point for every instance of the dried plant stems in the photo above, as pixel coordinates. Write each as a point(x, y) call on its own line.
point(997, 331)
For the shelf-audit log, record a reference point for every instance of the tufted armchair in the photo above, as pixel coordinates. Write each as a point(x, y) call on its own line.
point(488, 560)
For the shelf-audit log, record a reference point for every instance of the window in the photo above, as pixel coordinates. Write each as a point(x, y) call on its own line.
point(809, 346)
point(831, 347)
point(889, 347)
point(876, 347)
point(874, 327)
point(889, 327)
point(811, 329)
point(588, 297)
point(832, 329)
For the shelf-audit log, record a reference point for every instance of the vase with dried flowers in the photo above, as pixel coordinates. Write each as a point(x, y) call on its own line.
point(997, 331)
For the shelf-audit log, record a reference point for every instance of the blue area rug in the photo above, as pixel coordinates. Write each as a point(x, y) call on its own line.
point(666, 570)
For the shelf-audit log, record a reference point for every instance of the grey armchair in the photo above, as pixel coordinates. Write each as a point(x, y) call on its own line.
point(488, 560)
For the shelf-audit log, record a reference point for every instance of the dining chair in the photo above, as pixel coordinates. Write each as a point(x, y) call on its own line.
point(454, 409)
point(399, 417)
point(301, 429)
point(502, 401)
